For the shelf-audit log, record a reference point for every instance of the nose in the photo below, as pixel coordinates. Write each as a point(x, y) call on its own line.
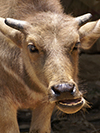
point(62, 88)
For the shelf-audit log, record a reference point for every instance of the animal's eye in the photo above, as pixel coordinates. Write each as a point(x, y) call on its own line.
point(32, 48)
point(76, 46)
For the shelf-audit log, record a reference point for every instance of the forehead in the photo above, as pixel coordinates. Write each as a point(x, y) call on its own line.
point(48, 27)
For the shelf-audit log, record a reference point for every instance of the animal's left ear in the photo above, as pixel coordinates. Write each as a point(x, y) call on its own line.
point(89, 33)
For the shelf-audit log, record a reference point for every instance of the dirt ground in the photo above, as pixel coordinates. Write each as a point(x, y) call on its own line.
point(78, 123)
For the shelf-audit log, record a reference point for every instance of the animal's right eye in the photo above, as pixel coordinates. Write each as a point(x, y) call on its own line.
point(32, 48)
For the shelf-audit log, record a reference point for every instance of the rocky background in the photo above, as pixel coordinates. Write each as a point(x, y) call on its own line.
point(89, 75)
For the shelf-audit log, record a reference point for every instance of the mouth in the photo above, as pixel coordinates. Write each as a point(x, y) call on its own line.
point(70, 106)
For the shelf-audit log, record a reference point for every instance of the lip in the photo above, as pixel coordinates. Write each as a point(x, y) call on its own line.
point(71, 106)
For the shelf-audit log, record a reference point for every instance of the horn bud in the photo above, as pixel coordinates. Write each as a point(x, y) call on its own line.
point(84, 19)
point(17, 24)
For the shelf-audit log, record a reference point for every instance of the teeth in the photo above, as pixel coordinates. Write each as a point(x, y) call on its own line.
point(63, 103)
point(73, 104)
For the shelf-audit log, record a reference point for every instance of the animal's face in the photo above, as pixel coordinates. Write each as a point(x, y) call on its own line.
point(51, 48)
point(50, 52)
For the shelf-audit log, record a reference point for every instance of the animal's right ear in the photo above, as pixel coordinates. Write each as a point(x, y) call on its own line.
point(10, 33)
point(89, 33)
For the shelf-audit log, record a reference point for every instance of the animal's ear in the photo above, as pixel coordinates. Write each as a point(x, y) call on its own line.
point(11, 33)
point(89, 33)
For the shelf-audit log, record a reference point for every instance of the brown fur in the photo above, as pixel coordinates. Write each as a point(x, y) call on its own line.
point(19, 9)
point(26, 78)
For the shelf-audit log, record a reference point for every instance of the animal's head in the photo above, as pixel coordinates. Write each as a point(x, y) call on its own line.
point(50, 45)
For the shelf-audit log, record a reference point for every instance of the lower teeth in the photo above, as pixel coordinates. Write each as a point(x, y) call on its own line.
point(69, 104)
point(63, 103)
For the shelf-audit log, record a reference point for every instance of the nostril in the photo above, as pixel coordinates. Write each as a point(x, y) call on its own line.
point(70, 87)
point(55, 90)
point(73, 90)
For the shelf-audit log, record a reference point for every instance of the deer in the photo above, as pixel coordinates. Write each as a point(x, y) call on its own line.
point(39, 51)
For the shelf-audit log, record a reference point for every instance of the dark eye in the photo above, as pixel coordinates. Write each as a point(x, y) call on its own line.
point(76, 46)
point(32, 48)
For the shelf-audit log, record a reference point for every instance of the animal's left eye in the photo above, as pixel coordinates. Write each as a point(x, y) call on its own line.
point(76, 46)
point(32, 48)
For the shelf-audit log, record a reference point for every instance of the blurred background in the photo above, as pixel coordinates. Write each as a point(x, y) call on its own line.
point(89, 77)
